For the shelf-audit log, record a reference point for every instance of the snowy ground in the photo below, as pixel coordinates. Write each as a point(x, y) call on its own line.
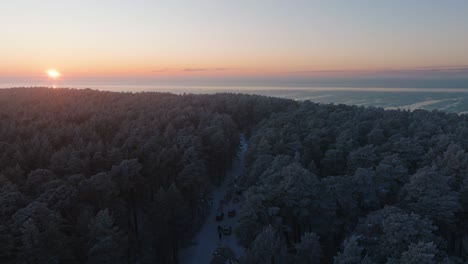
point(207, 240)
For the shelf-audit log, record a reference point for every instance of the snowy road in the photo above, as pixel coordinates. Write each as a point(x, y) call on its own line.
point(207, 240)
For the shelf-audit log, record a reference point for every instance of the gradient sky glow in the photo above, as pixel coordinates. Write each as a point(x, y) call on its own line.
point(212, 38)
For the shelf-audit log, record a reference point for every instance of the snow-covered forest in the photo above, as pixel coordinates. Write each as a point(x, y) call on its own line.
point(103, 177)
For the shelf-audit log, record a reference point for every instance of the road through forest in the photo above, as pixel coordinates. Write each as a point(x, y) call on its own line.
point(207, 238)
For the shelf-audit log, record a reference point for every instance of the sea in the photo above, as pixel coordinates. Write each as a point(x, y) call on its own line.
point(453, 100)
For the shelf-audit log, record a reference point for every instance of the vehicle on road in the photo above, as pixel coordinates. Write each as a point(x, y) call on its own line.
point(219, 216)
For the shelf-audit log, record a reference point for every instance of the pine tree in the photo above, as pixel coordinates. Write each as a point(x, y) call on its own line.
point(420, 253)
point(267, 248)
point(352, 252)
point(106, 244)
point(308, 251)
point(429, 194)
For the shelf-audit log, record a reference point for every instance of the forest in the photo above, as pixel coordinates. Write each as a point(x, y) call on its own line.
point(90, 176)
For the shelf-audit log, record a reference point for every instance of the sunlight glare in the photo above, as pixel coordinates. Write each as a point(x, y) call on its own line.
point(53, 74)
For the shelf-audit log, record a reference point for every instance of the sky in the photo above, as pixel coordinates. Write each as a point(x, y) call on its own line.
point(222, 39)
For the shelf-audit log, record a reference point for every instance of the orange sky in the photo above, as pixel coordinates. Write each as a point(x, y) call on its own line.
point(229, 38)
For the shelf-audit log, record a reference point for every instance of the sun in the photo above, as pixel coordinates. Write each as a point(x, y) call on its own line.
point(53, 74)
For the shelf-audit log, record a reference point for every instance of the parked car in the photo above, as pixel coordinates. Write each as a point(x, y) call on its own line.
point(219, 216)
point(231, 213)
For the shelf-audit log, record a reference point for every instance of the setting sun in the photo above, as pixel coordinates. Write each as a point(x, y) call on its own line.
point(52, 73)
